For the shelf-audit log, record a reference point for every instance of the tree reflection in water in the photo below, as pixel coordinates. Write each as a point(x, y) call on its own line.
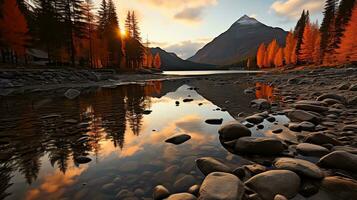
point(264, 91)
point(67, 130)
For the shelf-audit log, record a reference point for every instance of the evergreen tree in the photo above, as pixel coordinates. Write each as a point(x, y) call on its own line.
point(128, 25)
point(103, 16)
point(343, 16)
point(112, 32)
point(327, 28)
point(135, 27)
point(299, 31)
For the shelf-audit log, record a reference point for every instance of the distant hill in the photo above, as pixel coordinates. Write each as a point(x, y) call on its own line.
point(240, 41)
point(170, 61)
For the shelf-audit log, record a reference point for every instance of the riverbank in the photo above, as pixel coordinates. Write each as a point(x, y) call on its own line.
point(313, 156)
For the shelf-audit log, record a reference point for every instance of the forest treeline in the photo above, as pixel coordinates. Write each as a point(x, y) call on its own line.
point(333, 42)
point(73, 33)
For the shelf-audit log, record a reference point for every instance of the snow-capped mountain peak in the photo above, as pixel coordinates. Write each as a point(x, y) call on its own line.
point(246, 20)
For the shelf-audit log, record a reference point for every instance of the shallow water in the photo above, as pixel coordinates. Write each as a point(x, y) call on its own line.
point(41, 136)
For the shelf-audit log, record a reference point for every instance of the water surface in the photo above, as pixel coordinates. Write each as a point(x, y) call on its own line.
point(210, 72)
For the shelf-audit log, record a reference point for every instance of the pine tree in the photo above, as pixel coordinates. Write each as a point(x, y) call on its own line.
point(299, 30)
point(261, 55)
point(128, 25)
point(102, 16)
point(135, 27)
point(113, 35)
point(343, 16)
point(348, 48)
point(328, 27)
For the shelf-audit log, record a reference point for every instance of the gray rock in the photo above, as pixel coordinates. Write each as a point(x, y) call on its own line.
point(299, 166)
point(160, 192)
point(307, 126)
point(308, 149)
point(208, 165)
point(221, 186)
point(260, 103)
point(339, 160)
point(181, 196)
point(233, 130)
point(258, 146)
point(255, 119)
point(301, 115)
point(72, 93)
point(269, 184)
point(184, 183)
point(331, 96)
point(178, 139)
point(309, 107)
point(320, 138)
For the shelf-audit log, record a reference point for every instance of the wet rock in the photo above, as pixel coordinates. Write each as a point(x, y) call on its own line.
point(269, 184)
point(72, 93)
point(280, 197)
point(208, 165)
point(336, 188)
point(248, 91)
point(181, 196)
point(178, 139)
point(329, 101)
point(309, 107)
point(82, 160)
point(277, 131)
point(271, 119)
point(339, 160)
point(184, 183)
point(233, 130)
point(307, 126)
point(255, 168)
point(239, 172)
point(320, 138)
point(308, 188)
point(331, 96)
point(260, 126)
point(147, 112)
point(255, 119)
point(308, 149)
point(221, 186)
point(349, 149)
point(214, 121)
point(109, 187)
point(187, 100)
point(195, 189)
point(124, 193)
point(160, 192)
point(316, 103)
point(301, 115)
point(139, 192)
point(299, 166)
point(294, 127)
point(260, 103)
point(259, 146)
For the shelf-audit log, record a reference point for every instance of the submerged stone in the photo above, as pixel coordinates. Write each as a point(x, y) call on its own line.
point(178, 139)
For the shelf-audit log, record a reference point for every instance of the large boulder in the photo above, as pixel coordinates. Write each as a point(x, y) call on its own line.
point(181, 196)
point(302, 167)
point(208, 165)
point(307, 149)
point(301, 115)
point(271, 183)
point(336, 188)
point(320, 138)
point(221, 186)
point(258, 146)
point(178, 139)
point(339, 160)
point(233, 131)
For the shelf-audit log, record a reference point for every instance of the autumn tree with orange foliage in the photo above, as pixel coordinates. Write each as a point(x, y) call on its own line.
point(279, 58)
point(157, 61)
point(290, 49)
point(13, 29)
point(272, 49)
point(261, 55)
point(348, 47)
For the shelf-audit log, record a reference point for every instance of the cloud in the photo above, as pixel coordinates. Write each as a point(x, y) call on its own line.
point(291, 9)
point(189, 11)
point(186, 49)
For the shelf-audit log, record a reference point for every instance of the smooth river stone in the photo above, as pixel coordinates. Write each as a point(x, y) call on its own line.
point(258, 146)
point(339, 160)
point(221, 186)
point(307, 149)
point(208, 165)
point(178, 139)
point(181, 196)
point(233, 130)
point(299, 166)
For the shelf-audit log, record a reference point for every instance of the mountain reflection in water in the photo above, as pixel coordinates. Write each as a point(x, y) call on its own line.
point(42, 136)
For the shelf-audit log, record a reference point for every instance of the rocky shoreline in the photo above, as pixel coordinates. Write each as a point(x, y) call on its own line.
point(318, 162)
